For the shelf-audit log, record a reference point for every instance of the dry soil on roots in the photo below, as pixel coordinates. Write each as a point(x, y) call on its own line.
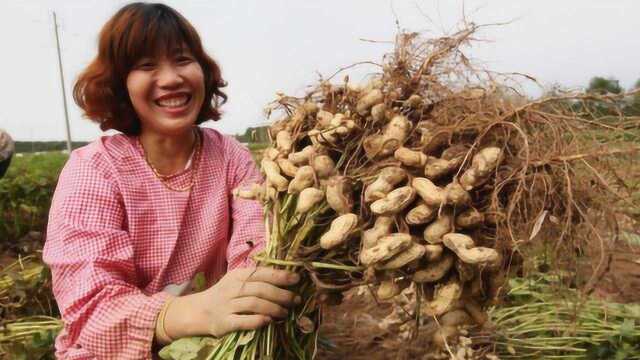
point(351, 330)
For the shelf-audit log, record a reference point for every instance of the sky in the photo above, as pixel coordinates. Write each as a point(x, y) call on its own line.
point(269, 46)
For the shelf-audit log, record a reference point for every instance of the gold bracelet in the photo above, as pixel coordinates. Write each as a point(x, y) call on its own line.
point(163, 336)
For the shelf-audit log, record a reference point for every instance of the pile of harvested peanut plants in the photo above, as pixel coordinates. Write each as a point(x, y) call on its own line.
point(431, 177)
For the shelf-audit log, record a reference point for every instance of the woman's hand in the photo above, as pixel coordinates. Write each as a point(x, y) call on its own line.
point(244, 299)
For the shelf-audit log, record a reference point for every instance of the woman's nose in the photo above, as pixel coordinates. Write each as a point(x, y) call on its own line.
point(169, 76)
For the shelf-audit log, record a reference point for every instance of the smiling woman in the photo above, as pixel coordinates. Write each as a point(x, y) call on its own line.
point(136, 216)
point(130, 41)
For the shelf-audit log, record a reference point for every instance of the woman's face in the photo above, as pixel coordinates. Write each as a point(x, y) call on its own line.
point(167, 92)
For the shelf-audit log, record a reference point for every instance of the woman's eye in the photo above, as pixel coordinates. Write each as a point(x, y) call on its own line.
point(145, 66)
point(185, 60)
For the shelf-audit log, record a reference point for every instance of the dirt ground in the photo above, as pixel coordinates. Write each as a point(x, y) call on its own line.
point(621, 283)
point(351, 330)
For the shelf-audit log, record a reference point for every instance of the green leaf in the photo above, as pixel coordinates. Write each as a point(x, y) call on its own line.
point(199, 282)
point(187, 348)
point(205, 352)
point(43, 339)
point(624, 352)
point(627, 328)
point(598, 352)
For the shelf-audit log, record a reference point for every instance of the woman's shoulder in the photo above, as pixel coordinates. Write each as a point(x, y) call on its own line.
point(103, 154)
point(226, 144)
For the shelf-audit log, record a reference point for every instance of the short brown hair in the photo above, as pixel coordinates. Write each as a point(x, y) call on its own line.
point(136, 31)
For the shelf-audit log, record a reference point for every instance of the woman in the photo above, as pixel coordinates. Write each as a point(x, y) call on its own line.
point(136, 216)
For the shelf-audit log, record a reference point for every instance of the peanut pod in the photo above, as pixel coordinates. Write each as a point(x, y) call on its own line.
point(436, 168)
point(388, 289)
point(302, 157)
point(305, 177)
point(433, 252)
point(392, 137)
point(431, 140)
point(434, 232)
point(378, 112)
point(323, 136)
point(413, 102)
point(323, 166)
point(339, 231)
point(251, 192)
point(483, 163)
point(287, 167)
point(466, 250)
point(410, 157)
point(455, 151)
point(421, 214)
point(469, 218)
point(456, 194)
point(323, 118)
point(414, 252)
point(486, 160)
point(272, 172)
point(387, 247)
point(386, 181)
point(271, 193)
point(444, 299)
point(307, 199)
point(339, 195)
point(310, 107)
point(394, 202)
point(434, 271)
point(370, 99)
point(381, 227)
point(271, 153)
point(284, 143)
point(430, 193)
point(342, 125)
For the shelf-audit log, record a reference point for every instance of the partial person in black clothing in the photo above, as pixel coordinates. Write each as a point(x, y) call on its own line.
point(7, 148)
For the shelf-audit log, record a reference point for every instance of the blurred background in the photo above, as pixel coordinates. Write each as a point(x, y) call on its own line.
point(279, 45)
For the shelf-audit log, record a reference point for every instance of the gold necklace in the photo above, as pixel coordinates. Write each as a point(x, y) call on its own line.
point(195, 160)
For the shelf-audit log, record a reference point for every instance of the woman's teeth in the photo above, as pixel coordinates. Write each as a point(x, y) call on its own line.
point(173, 102)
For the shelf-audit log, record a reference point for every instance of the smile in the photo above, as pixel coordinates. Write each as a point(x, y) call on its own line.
point(174, 102)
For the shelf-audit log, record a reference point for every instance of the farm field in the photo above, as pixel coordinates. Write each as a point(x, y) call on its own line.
point(359, 328)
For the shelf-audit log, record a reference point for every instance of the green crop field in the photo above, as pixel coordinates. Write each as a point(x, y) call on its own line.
point(25, 194)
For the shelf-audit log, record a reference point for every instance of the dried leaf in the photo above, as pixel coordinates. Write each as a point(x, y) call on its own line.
point(538, 224)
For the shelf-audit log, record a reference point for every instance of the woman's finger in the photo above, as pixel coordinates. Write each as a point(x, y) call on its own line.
point(268, 292)
point(255, 305)
point(247, 322)
point(271, 276)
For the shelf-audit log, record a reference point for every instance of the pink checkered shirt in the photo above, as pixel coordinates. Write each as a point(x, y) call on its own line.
point(117, 237)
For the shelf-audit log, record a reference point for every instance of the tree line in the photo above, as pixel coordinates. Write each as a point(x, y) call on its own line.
point(628, 106)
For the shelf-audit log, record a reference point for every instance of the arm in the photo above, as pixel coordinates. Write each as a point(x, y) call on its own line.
point(246, 297)
point(106, 315)
point(247, 228)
